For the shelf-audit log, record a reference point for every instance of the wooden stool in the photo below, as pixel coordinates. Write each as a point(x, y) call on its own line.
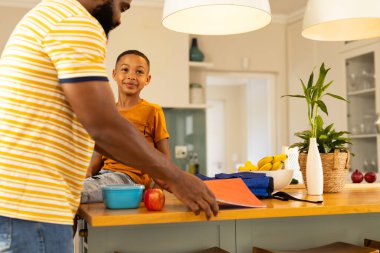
point(336, 247)
point(212, 250)
point(372, 243)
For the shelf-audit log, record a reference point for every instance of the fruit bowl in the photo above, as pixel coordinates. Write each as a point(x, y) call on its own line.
point(281, 178)
point(122, 196)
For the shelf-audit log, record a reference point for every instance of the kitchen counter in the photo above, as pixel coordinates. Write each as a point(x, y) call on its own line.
point(349, 216)
point(355, 198)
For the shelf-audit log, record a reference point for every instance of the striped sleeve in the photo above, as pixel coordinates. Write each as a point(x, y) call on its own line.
point(76, 47)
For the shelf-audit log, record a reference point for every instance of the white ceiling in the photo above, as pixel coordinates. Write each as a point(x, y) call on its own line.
point(279, 7)
point(287, 7)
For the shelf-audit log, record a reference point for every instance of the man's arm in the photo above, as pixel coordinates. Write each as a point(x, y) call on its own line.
point(117, 138)
point(163, 147)
point(96, 164)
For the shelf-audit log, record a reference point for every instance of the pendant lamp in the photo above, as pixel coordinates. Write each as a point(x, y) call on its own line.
point(341, 20)
point(216, 17)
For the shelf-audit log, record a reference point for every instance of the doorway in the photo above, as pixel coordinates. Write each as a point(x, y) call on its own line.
point(240, 119)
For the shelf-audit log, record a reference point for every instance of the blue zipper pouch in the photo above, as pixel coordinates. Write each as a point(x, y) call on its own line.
point(258, 183)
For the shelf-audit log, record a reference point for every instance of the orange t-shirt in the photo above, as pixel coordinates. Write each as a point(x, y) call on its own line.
point(150, 120)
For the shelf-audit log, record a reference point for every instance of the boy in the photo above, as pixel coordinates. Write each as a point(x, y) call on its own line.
point(131, 74)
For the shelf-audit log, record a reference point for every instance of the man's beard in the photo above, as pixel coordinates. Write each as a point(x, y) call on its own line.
point(104, 14)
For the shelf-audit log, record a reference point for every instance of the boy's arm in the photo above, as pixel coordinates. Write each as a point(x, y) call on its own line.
point(96, 164)
point(163, 147)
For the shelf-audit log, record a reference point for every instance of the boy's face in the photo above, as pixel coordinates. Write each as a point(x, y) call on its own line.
point(131, 74)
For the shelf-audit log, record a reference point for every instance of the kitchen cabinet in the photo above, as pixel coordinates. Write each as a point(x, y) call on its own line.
point(361, 67)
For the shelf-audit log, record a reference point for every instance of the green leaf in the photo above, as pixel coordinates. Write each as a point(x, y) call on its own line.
point(329, 127)
point(310, 83)
point(314, 96)
point(323, 107)
point(303, 87)
point(322, 74)
point(319, 121)
point(326, 148)
point(326, 86)
point(294, 96)
point(305, 135)
point(337, 97)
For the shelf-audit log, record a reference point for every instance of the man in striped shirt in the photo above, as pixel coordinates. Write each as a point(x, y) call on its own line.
point(55, 101)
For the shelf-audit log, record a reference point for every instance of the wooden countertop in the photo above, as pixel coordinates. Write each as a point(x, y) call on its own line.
point(355, 198)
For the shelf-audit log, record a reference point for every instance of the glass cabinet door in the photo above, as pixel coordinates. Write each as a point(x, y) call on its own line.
point(361, 92)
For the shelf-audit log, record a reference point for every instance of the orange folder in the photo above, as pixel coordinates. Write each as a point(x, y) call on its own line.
point(233, 191)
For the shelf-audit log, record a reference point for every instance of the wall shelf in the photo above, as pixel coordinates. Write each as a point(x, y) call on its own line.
point(201, 65)
point(362, 92)
point(188, 106)
point(364, 105)
point(363, 136)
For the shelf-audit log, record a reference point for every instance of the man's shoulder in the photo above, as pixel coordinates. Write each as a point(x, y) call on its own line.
point(59, 12)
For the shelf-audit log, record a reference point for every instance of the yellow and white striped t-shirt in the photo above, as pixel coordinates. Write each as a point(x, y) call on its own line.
point(44, 150)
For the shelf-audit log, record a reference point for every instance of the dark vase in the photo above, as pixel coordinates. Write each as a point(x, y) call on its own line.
point(195, 53)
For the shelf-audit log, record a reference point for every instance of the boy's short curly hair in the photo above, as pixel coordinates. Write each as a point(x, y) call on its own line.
point(135, 52)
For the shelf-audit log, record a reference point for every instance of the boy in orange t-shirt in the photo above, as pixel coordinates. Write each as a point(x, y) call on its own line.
point(131, 74)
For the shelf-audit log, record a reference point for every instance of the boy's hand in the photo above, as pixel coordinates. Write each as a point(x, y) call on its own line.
point(195, 194)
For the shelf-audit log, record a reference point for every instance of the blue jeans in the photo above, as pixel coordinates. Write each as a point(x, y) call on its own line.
point(23, 236)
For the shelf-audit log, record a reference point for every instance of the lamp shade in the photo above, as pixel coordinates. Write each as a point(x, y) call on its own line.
point(339, 20)
point(216, 17)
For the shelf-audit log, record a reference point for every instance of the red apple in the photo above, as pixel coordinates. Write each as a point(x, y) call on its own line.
point(357, 176)
point(370, 177)
point(154, 199)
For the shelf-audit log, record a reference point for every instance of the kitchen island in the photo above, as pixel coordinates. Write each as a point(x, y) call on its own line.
point(349, 216)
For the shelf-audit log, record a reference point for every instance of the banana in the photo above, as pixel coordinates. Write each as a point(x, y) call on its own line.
point(279, 158)
point(254, 168)
point(264, 160)
point(241, 169)
point(277, 165)
point(267, 166)
point(248, 166)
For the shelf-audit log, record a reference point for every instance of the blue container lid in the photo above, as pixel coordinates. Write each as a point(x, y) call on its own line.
point(123, 187)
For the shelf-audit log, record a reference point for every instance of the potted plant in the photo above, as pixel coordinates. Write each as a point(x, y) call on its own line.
point(332, 145)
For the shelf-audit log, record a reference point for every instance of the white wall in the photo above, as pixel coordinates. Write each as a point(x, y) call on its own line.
point(9, 17)
point(167, 51)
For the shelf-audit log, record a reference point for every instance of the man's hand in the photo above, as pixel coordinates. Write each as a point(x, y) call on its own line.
point(195, 194)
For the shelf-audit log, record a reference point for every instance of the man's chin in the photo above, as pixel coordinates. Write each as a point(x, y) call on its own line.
point(116, 25)
point(107, 31)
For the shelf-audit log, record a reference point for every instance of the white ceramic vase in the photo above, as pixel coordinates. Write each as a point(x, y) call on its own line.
point(314, 171)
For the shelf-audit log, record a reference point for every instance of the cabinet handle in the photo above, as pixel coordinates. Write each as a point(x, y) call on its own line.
point(83, 232)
